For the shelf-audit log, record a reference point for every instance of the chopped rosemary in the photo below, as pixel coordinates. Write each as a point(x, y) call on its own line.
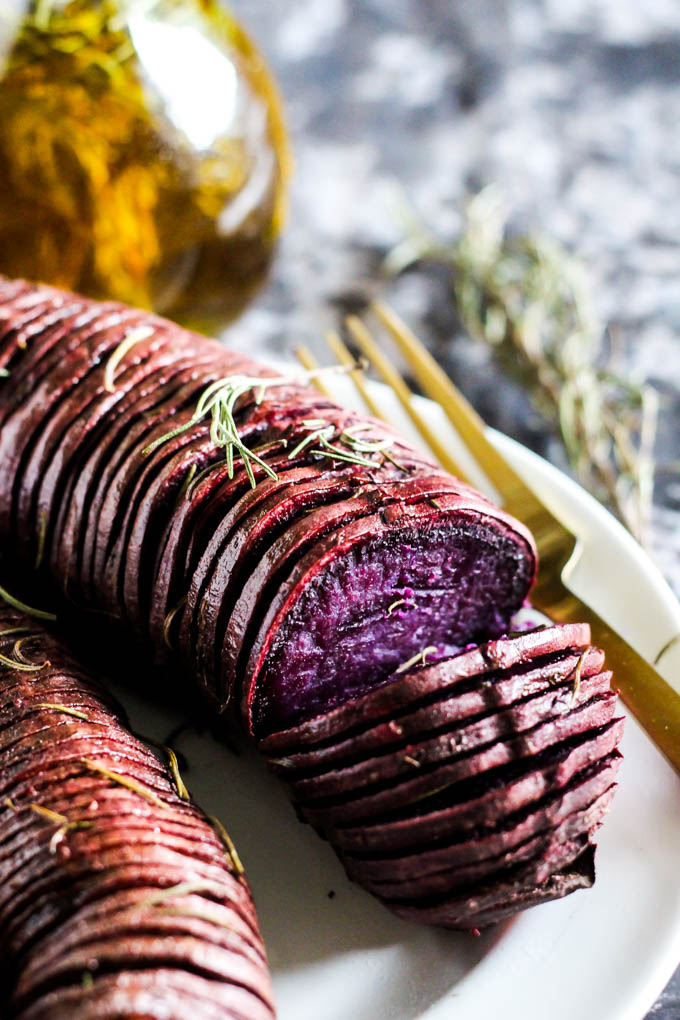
point(185, 488)
point(671, 643)
point(135, 336)
point(395, 605)
point(412, 761)
point(183, 889)
point(64, 710)
point(130, 784)
point(577, 678)
point(417, 659)
point(323, 432)
point(19, 655)
point(174, 768)
point(226, 839)
point(200, 915)
point(218, 401)
point(167, 623)
point(64, 824)
point(401, 467)
point(22, 667)
point(196, 480)
point(51, 816)
point(42, 534)
point(16, 603)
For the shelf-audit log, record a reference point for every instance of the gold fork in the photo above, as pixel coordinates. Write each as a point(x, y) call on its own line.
point(652, 700)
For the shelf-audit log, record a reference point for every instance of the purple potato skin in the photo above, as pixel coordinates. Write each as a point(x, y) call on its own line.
point(105, 866)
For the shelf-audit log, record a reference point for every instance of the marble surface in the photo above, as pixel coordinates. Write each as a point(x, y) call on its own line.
point(572, 106)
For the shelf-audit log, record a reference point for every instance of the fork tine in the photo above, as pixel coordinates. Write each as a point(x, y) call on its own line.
point(341, 352)
point(308, 361)
point(394, 380)
point(470, 427)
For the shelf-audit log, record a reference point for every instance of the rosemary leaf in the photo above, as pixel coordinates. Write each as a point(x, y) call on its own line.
point(395, 605)
point(167, 623)
point(577, 678)
point(184, 889)
point(174, 768)
point(130, 784)
point(64, 710)
point(22, 667)
point(419, 659)
point(39, 614)
point(230, 848)
point(41, 539)
point(200, 915)
point(135, 336)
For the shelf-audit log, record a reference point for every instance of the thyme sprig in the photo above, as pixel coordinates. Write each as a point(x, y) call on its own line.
point(219, 400)
point(527, 298)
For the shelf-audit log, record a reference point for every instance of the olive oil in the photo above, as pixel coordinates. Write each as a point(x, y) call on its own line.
point(142, 153)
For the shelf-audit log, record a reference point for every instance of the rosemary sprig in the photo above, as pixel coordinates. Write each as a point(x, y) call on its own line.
point(218, 402)
point(526, 298)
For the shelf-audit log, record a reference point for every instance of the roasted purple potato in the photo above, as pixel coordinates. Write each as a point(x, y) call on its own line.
point(457, 790)
point(118, 897)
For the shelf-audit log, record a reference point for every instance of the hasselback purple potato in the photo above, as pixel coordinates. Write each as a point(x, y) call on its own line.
point(306, 595)
point(118, 897)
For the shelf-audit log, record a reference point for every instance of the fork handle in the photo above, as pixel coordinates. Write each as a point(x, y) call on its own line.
point(651, 699)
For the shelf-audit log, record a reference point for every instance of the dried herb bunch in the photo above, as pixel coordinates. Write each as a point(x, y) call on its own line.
point(527, 298)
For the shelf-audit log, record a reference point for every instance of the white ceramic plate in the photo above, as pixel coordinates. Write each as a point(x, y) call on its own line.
point(601, 954)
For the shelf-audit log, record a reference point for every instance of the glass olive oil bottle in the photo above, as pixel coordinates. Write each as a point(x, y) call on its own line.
point(142, 153)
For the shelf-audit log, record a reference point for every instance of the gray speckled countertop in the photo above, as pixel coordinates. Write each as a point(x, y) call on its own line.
point(573, 106)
